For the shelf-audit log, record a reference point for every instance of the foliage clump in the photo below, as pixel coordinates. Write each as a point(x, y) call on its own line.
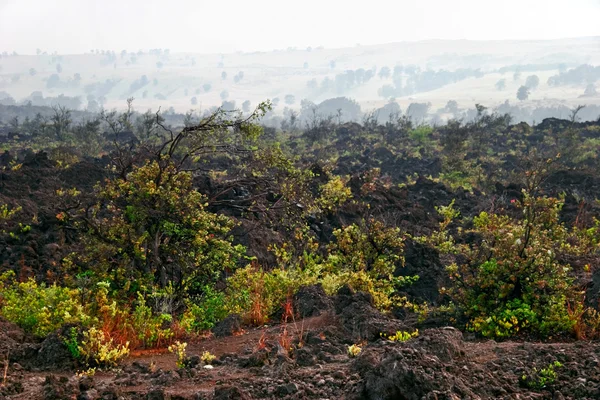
point(97, 349)
point(38, 308)
point(514, 280)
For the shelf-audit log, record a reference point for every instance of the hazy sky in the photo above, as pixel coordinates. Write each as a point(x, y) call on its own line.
point(75, 26)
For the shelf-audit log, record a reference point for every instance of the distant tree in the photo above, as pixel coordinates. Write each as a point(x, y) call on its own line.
point(398, 70)
point(359, 75)
point(289, 99)
point(275, 101)
point(236, 79)
point(38, 51)
point(15, 78)
point(390, 112)
point(228, 105)
point(590, 90)
point(532, 82)
point(384, 73)
point(523, 93)
point(32, 71)
point(241, 75)
point(224, 95)
point(7, 99)
point(501, 84)
point(387, 91)
point(312, 84)
point(159, 64)
point(155, 82)
point(53, 81)
point(369, 74)
point(207, 87)
point(332, 64)
point(517, 75)
point(223, 75)
point(194, 101)
point(246, 106)
point(77, 77)
point(305, 66)
point(451, 107)
point(123, 53)
point(349, 109)
point(197, 91)
point(418, 111)
point(59, 68)
point(144, 94)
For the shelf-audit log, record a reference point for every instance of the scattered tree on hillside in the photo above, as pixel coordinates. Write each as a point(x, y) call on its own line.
point(32, 72)
point(517, 75)
point(451, 107)
point(53, 81)
point(312, 84)
point(223, 75)
point(224, 95)
point(501, 84)
point(384, 73)
point(532, 82)
point(590, 90)
point(194, 101)
point(523, 93)
point(417, 112)
point(289, 99)
point(207, 87)
point(246, 106)
point(59, 68)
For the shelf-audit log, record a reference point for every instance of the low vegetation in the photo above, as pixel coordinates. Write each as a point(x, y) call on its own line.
point(182, 226)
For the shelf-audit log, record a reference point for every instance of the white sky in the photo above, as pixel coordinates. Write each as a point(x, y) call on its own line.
point(76, 26)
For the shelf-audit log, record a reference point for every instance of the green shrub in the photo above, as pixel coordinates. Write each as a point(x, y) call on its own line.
point(148, 326)
point(41, 309)
point(402, 336)
point(205, 312)
point(514, 280)
point(97, 349)
point(540, 379)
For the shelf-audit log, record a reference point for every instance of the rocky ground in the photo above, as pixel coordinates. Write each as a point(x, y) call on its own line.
point(441, 363)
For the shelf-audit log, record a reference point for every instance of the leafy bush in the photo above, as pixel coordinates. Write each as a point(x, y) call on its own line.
point(152, 226)
point(207, 357)
point(514, 280)
point(540, 379)
point(148, 326)
point(257, 294)
point(41, 309)
point(354, 350)
point(179, 349)
point(204, 313)
point(97, 349)
point(403, 336)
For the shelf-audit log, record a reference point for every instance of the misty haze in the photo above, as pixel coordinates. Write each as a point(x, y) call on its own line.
point(299, 200)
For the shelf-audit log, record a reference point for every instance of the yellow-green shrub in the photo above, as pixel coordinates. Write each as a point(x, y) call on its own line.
point(97, 349)
point(514, 279)
point(41, 309)
point(256, 294)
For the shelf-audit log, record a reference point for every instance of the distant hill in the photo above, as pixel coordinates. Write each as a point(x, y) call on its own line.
point(434, 71)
